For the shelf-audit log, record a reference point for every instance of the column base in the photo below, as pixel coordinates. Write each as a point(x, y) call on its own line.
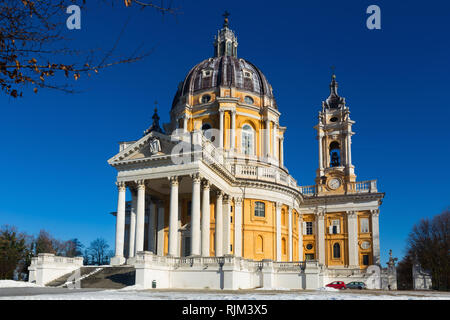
point(117, 260)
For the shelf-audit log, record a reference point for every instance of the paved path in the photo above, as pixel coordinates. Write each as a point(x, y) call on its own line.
point(27, 291)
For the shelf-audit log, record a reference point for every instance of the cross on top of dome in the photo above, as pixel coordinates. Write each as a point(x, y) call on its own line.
point(226, 14)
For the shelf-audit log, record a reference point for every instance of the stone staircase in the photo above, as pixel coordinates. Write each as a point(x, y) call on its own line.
point(101, 277)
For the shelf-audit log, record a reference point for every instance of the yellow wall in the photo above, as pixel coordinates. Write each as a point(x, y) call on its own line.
point(309, 239)
point(257, 228)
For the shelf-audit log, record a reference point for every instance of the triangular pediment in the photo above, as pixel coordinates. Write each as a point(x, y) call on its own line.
point(153, 145)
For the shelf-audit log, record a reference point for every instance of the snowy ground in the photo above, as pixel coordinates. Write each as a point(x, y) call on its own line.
point(23, 291)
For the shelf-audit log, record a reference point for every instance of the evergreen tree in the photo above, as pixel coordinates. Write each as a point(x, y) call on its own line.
point(13, 250)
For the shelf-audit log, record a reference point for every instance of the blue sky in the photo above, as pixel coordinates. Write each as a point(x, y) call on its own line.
point(395, 80)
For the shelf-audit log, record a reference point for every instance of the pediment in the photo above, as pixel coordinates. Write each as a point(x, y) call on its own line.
point(153, 145)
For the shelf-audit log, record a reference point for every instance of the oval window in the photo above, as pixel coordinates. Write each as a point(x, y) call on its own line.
point(206, 98)
point(248, 100)
point(309, 246)
point(334, 119)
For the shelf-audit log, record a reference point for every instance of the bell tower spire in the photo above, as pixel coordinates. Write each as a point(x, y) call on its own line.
point(334, 132)
point(225, 43)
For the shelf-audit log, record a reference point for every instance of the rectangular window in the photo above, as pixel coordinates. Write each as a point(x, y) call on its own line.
point(260, 209)
point(364, 222)
point(309, 256)
point(366, 259)
point(309, 227)
point(335, 227)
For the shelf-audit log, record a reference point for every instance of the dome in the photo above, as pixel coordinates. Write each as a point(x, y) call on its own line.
point(226, 71)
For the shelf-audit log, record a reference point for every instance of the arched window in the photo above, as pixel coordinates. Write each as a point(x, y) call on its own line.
point(336, 251)
point(247, 139)
point(335, 154)
point(259, 244)
point(260, 209)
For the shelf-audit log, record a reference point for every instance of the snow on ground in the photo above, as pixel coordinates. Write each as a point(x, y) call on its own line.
point(131, 294)
point(16, 284)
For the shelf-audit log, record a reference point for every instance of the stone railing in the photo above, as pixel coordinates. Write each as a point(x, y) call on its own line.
point(252, 169)
point(289, 266)
point(262, 172)
point(369, 186)
point(47, 267)
point(49, 258)
point(149, 258)
point(309, 191)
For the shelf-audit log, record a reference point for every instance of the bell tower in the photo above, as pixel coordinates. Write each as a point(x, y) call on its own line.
point(334, 132)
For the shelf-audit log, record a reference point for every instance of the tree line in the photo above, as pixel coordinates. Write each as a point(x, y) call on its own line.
point(17, 249)
point(428, 244)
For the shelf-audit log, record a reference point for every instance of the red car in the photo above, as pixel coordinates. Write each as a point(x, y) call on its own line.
point(337, 285)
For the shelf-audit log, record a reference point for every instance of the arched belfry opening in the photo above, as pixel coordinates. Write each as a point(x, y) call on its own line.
point(335, 154)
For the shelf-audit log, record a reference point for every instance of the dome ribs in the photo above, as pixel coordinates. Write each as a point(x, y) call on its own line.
point(226, 71)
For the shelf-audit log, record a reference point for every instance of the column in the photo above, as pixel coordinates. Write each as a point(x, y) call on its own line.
point(352, 222)
point(226, 224)
point(132, 240)
point(120, 225)
point(278, 218)
point(206, 214)
point(185, 123)
point(238, 227)
point(140, 216)
point(267, 132)
point(320, 138)
point(151, 227)
point(375, 236)
point(160, 239)
point(282, 152)
point(173, 217)
point(195, 217)
point(221, 129)
point(233, 130)
point(320, 234)
point(290, 234)
point(274, 140)
point(300, 237)
point(219, 225)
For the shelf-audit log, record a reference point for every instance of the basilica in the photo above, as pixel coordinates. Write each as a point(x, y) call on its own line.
point(212, 205)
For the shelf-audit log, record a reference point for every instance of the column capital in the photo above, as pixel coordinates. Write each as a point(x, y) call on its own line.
point(140, 184)
point(320, 212)
point(278, 205)
point(226, 198)
point(219, 194)
point(375, 213)
point(206, 184)
point(196, 177)
point(238, 201)
point(174, 180)
point(121, 185)
point(352, 214)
